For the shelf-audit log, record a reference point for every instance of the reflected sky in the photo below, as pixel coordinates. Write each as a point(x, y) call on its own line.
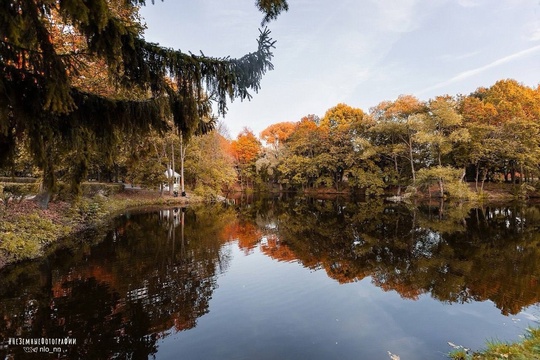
point(266, 309)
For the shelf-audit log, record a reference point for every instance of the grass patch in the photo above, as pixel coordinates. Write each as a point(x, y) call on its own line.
point(26, 230)
point(26, 237)
point(527, 349)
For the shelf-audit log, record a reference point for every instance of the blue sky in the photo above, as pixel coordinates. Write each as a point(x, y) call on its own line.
point(358, 52)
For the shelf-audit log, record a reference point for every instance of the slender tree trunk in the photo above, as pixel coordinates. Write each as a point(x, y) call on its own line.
point(398, 177)
point(182, 157)
point(513, 176)
point(477, 176)
point(171, 188)
point(158, 157)
point(412, 161)
point(483, 181)
point(47, 186)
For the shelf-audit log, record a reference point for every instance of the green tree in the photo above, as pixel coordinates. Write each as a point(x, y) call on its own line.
point(298, 166)
point(340, 127)
point(209, 165)
point(439, 129)
point(394, 133)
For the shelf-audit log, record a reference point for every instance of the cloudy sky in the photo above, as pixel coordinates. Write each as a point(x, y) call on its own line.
point(359, 52)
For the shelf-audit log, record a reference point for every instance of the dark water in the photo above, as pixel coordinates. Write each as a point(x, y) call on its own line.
point(282, 279)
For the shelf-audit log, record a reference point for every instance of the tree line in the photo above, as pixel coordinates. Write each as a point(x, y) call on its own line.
point(406, 145)
point(491, 134)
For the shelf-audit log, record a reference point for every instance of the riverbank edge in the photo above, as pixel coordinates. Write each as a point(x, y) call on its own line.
point(29, 231)
point(527, 348)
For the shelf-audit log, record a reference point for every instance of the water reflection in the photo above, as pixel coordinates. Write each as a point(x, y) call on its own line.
point(152, 273)
point(155, 273)
point(453, 252)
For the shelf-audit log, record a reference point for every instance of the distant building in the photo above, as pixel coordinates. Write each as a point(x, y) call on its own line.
point(169, 173)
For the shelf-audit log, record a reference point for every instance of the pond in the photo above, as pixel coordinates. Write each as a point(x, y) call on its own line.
point(297, 278)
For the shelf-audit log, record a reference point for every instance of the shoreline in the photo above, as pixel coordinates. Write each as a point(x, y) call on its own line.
point(28, 231)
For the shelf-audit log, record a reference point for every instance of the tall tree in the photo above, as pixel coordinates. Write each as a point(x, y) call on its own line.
point(396, 123)
point(340, 126)
point(209, 164)
point(275, 137)
point(276, 134)
point(441, 127)
point(298, 166)
point(503, 120)
point(39, 98)
point(246, 149)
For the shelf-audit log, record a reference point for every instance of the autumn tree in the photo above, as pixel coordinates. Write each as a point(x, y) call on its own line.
point(341, 126)
point(517, 107)
point(246, 149)
point(480, 151)
point(298, 165)
point(210, 167)
point(503, 122)
point(274, 136)
point(394, 132)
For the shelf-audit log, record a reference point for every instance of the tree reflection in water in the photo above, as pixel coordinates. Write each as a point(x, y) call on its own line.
point(155, 272)
point(454, 252)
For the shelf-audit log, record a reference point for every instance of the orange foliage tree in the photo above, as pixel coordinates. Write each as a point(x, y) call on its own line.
point(246, 149)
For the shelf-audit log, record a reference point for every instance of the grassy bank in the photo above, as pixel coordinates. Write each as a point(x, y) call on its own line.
point(26, 230)
point(527, 349)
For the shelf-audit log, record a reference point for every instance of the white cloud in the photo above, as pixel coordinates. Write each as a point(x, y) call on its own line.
point(457, 57)
point(532, 31)
point(473, 72)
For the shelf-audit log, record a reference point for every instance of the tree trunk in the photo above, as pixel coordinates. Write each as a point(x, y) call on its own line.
point(158, 157)
point(412, 162)
point(441, 187)
point(397, 175)
point(172, 181)
point(43, 198)
point(182, 157)
point(476, 177)
point(483, 181)
point(47, 187)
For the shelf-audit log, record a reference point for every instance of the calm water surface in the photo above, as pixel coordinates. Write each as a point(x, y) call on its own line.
point(282, 279)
